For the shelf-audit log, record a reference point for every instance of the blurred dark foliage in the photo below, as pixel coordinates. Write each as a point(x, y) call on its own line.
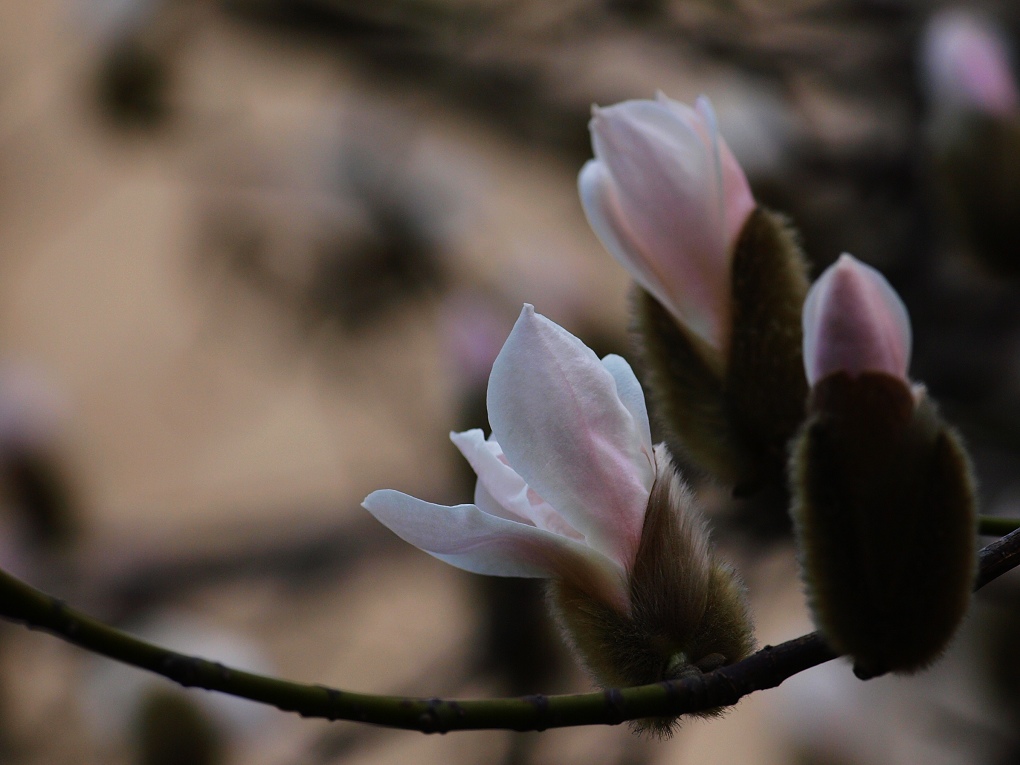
point(354, 282)
point(173, 730)
point(39, 487)
point(357, 276)
point(133, 85)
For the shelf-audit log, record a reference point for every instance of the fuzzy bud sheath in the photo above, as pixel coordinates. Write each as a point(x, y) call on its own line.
point(688, 612)
point(884, 498)
point(570, 489)
point(736, 423)
point(721, 283)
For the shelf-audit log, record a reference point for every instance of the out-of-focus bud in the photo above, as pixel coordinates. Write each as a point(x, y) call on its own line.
point(966, 63)
point(884, 498)
point(722, 285)
point(974, 132)
point(571, 490)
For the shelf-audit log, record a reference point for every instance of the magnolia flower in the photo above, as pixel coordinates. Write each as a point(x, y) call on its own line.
point(966, 64)
point(854, 322)
point(570, 489)
point(564, 480)
point(668, 200)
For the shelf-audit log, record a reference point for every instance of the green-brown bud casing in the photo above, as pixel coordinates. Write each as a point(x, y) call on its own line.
point(885, 518)
point(688, 612)
point(733, 416)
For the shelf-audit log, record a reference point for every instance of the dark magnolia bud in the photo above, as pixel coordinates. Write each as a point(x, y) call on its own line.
point(884, 506)
point(687, 615)
point(722, 282)
point(974, 132)
point(979, 177)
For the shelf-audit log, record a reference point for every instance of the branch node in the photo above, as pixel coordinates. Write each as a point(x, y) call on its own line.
point(614, 706)
point(541, 704)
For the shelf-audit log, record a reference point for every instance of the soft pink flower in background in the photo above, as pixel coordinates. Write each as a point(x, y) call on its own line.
point(966, 63)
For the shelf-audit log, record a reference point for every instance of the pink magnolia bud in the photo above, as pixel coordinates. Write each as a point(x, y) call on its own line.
point(854, 322)
point(967, 65)
point(668, 200)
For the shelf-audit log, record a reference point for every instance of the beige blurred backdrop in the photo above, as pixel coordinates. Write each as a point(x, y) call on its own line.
point(273, 282)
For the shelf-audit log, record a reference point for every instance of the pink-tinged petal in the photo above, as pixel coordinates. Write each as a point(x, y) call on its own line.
point(498, 483)
point(659, 191)
point(737, 201)
point(668, 200)
point(601, 203)
point(967, 65)
point(854, 322)
point(631, 396)
point(555, 410)
point(469, 539)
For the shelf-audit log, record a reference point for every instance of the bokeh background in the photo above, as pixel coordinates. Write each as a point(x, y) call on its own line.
point(256, 258)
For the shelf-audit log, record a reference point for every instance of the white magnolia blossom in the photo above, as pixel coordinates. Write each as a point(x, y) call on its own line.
point(854, 322)
point(668, 200)
point(564, 480)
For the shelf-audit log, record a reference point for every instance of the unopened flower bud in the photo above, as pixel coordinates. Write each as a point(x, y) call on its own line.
point(884, 505)
point(722, 282)
point(966, 65)
point(668, 200)
point(974, 133)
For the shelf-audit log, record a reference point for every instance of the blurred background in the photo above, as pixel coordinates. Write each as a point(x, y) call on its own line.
point(257, 257)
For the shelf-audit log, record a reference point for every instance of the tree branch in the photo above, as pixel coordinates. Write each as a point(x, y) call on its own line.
point(996, 526)
point(765, 669)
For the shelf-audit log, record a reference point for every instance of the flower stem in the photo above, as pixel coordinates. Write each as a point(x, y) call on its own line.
point(994, 526)
point(767, 668)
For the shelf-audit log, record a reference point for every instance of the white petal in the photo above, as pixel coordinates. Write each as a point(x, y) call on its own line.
point(629, 390)
point(555, 410)
point(499, 483)
point(471, 540)
point(854, 322)
point(736, 200)
point(599, 200)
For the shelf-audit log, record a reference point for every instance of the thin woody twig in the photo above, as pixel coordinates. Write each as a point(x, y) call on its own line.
point(765, 669)
point(993, 525)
